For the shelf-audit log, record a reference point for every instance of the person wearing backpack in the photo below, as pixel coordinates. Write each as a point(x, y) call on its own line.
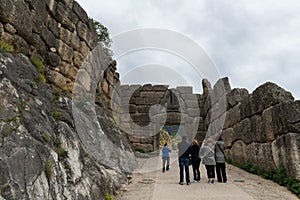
point(220, 161)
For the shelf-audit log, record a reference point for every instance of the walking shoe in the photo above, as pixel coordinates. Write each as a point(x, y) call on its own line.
point(180, 183)
point(208, 181)
point(189, 183)
point(194, 181)
point(212, 181)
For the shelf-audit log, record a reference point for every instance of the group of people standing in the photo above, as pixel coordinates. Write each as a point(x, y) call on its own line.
point(212, 154)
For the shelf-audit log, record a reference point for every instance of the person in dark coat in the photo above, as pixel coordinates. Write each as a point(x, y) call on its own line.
point(184, 151)
point(195, 160)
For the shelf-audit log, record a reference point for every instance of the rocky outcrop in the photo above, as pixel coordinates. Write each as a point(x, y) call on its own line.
point(261, 128)
point(41, 153)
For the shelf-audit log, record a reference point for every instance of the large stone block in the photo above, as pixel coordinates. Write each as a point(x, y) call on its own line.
point(148, 94)
point(184, 89)
point(140, 117)
point(147, 140)
point(236, 95)
point(1, 29)
point(193, 112)
point(242, 131)
point(147, 87)
point(143, 109)
point(78, 59)
point(65, 35)
point(145, 147)
point(9, 28)
point(53, 26)
point(246, 107)
point(191, 103)
point(83, 32)
point(267, 95)
point(66, 53)
point(22, 21)
point(49, 38)
point(84, 49)
point(238, 152)
point(233, 116)
point(227, 137)
point(160, 88)
point(63, 15)
point(58, 79)
point(53, 59)
point(6, 11)
point(285, 151)
point(174, 118)
point(134, 139)
point(80, 12)
point(257, 128)
point(260, 154)
point(75, 42)
point(192, 97)
point(68, 70)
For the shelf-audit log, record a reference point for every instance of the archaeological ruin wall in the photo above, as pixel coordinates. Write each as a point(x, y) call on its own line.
point(262, 128)
point(58, 32)
point(145, 109)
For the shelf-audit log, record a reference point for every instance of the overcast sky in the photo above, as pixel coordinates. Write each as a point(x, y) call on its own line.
point(251, 42)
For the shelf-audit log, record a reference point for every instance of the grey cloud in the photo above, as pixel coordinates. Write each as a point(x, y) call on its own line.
point(251, 42)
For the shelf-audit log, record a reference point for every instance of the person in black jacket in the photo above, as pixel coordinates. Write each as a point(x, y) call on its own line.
point(184, 151)
point(195, 160)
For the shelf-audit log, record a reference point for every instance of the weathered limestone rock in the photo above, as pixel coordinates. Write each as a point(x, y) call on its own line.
point(9, 28)
point(236, 95)
point(257, 128)
point(260, 154)
point(49, 38)
point(184, 89)
point(285, 151)
point(80, 12)
point(144, 147)
point(53, 26)
point(66, 53)
point(268, 95)
point(53, 59)
point(238, 152)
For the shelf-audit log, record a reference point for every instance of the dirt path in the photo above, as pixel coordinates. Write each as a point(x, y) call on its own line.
point(165, 185)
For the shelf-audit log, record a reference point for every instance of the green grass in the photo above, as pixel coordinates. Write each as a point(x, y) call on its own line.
point(41, 78)
point(48, 169)
point(46, 137)
point(61, 152)
point(107, 197)
point(5, 47)
point(38, 64)
point(56, 114)
point(278, 175)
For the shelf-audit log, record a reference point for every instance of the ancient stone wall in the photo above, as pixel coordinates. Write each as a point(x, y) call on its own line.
point(262, 128)
point(146, 109)
point(59, 31)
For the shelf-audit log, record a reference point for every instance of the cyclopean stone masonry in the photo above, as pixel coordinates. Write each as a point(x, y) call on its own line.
point(61, 33)
point(262, 128)
point(146, 109)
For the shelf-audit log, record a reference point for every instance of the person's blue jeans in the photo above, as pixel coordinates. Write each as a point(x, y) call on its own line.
point(184, 166)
